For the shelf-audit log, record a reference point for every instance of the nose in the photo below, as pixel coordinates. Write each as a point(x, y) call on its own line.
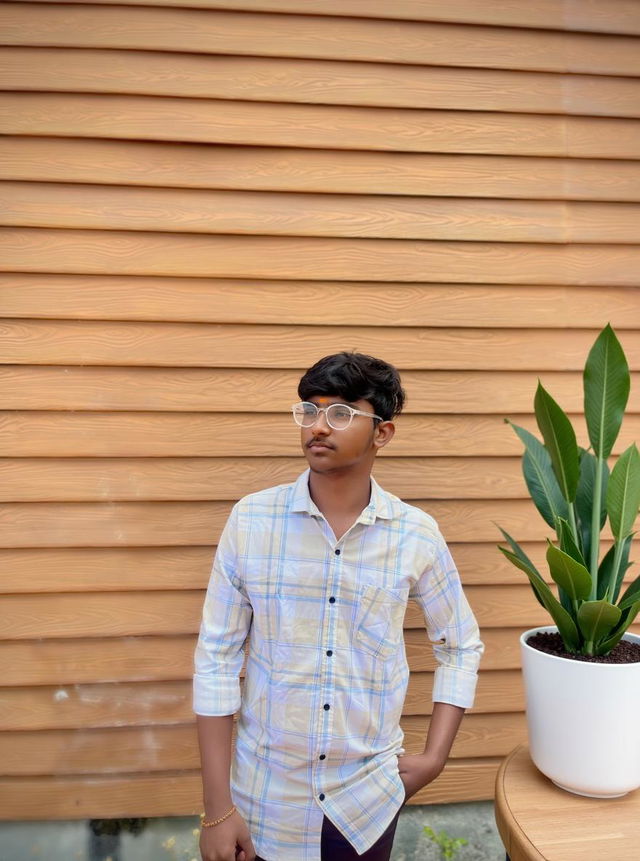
point(321, 424)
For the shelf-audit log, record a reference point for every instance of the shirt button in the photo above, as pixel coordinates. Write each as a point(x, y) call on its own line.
point(327, 707)
point(337, 552)
point(322, 756)
point(321, 796)
point(329, 652)
point(332, 600)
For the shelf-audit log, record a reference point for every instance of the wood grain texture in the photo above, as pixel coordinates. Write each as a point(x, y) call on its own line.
point(138, 750)
point(114, 252)
point(315, 82)
point(107, 208)
point(184, 165)
point(131, 613)
point(104, 297)
point(104, 569)
point(59, 388)
point(317, 126)
point(122, 479)
point(82, 660)
point(137, 434)
point(619, 16)
point(179, 794)
point(113, 704)
point(537, 820)
point(148, 658)
point(318, 37)
point(91, 342)
point(166, 524)
point(200, 201)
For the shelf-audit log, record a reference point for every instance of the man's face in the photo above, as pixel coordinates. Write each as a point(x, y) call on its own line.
point(328, 450)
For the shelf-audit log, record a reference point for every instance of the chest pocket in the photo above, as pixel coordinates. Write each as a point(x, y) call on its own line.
point(379, 620)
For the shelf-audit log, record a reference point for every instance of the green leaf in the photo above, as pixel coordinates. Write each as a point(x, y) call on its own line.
point(570, 575)
point(623, 565)
point(566, 625)
point(606, 391)
point(540, 478)
point(597, 619)
point(631, 594)
point(567, 543)
point(605, 570)
point(623, 492)
point(569, 546)
point(560, 441)
point(519, 552)
point(585, 494)
point(628, 615)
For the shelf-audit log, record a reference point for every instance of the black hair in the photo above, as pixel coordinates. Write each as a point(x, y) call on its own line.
point(353, 377)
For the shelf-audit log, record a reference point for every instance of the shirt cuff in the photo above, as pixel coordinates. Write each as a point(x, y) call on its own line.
point(217, 695)
point(453, 686)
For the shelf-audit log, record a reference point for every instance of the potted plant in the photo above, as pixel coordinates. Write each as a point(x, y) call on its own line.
point(582, 675)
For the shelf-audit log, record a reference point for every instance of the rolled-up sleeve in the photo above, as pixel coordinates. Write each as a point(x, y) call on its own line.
point(226, 620)
point(451, 627)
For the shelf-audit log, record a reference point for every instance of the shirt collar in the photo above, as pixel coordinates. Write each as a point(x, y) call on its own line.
point(379, 502)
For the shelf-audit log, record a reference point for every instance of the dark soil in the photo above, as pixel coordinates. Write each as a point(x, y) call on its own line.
point(624, 653)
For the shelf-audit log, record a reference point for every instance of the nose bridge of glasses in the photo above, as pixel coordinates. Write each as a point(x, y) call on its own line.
point(321, 415)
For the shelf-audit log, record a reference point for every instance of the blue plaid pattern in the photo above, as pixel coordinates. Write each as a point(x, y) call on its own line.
point(326, 676)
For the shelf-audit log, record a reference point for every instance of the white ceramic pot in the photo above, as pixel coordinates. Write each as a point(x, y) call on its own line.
point(583, 721)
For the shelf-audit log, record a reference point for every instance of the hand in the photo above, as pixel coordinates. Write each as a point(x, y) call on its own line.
point(417, 770)
point(229, 841)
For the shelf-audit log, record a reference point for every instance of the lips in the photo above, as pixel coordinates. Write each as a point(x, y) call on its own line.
point(315, 444)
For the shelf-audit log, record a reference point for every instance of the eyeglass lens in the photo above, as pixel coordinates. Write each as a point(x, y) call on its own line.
point(338, 415)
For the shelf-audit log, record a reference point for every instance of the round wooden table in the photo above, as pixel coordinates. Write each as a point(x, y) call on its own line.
point(540, 822)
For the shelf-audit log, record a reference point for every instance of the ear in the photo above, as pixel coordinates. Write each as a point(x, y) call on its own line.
point(383, 434)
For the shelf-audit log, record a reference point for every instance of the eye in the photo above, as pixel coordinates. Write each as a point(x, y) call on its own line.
point(309, 409)
point(340, 412)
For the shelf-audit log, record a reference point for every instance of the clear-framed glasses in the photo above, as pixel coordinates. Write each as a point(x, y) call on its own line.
point(338, 416)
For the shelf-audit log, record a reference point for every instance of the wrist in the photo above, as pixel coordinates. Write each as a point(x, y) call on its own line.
point(218, 807)
point(434, 761)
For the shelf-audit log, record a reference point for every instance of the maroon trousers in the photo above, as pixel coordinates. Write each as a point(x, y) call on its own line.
point(335, 847)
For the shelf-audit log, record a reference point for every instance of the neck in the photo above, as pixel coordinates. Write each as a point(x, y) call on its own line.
point(341, 493)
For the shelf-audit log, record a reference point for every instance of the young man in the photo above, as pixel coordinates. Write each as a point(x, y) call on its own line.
point(318, 572)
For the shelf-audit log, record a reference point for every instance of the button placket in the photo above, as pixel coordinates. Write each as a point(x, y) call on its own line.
point(329, 635)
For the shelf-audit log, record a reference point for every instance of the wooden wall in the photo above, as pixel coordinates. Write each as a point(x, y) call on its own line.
point(203, 198)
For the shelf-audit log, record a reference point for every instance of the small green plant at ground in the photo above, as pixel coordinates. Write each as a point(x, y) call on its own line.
point(449, 846)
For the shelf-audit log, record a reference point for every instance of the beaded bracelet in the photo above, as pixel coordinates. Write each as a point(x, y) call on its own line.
point(205, 824)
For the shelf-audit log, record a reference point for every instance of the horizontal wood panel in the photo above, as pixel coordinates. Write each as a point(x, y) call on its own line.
point(76, 661)
point(180, 794)
point(59, 388)
point(151, 749)
point(102, 479)
point(60, 434)
point(272, 346)
point(163, 524)
point(170, 657)
point(91, 297)
point(164, 703)
point(129, 479)
point(255, 34)
point(92, 252)
point(618, 16)
point(317, 126)
point(315, 82)
point(183, 165)
point(131, 613)
point(101, 207)
point(98, 569)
